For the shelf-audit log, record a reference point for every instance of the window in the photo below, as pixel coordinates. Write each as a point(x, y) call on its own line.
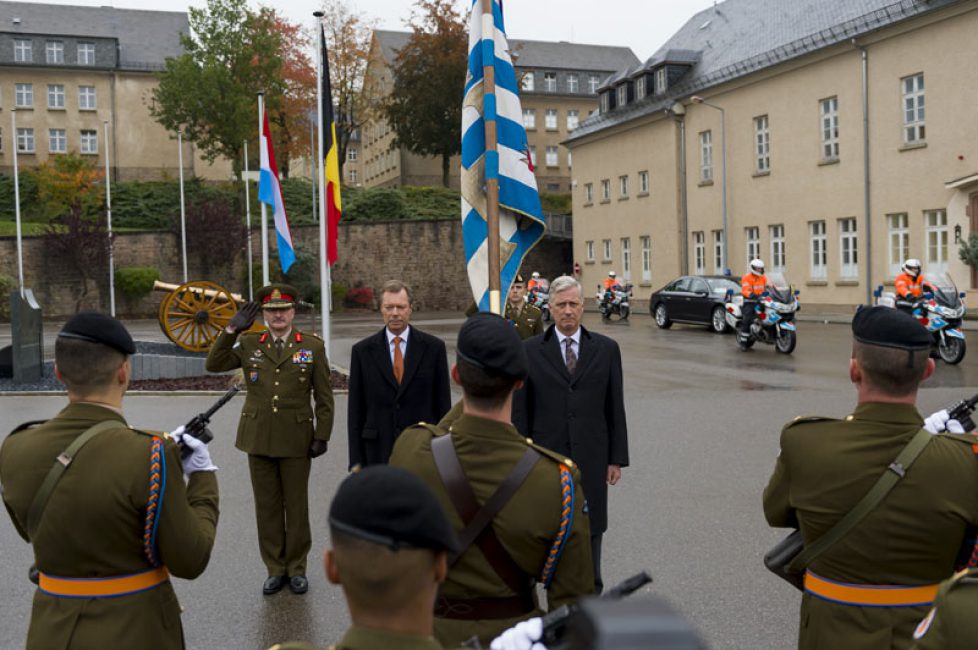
point(719, 264)
point(569, 159)
point(752, 236)
point(572, 86)
point(777, 247)
point(54, 52)
point(606, 190)
point(572, 119)
point(817, 271)
point(706, 156)
point(913, 109)
point(661, 81)
point(57, 142)
point(848, 248)
point(623, 185)
point(935, 229)
point(23, 52)
point(86, 54)
point(588, 193)
point(86, 102)
point(699, 252)
point(550, 118)
point(25, 140)
point(830, 128)
point(351, 154)
point(89, 142)
point(56, 96)
point(24, 95)
point(353, 176)
point(589, 251)
point(762, 142)
point(640, 88)
point(533, 155)
point(899, 241)
point(622, 95)
point(529, 118)
point(643, 182)
point(527, 82)
point(552, 156)
point(646, 258)
point(626, 258)
point(605, 102)
point(607, 249)
point(550, 82)
point(593, 81)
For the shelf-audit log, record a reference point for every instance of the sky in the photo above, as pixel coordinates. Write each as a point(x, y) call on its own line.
point(642, 25)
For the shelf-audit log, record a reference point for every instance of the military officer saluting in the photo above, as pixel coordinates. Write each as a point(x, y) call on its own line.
point(527, 318)
point(537, 529)
point(106, 507)
point(282, 368)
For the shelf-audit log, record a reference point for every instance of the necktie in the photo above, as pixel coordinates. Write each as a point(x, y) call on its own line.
point(570, 357)
point(279, 345)
point(398, 360)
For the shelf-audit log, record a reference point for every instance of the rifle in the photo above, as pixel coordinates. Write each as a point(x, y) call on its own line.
point(555, 622)
point(962, 412)
point(197, 427)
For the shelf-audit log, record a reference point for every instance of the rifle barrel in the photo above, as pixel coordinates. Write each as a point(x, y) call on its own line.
point(206, 415)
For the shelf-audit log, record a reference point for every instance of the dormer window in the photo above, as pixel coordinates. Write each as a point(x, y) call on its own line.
point(639, 88)
point(550, 82)
point(661, 80)
point(605, 102)
point(623, 94)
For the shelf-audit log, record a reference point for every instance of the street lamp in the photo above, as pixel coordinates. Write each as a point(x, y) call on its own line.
point(696, 99)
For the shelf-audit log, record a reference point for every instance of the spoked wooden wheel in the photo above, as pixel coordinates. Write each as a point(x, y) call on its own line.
point(193, 314)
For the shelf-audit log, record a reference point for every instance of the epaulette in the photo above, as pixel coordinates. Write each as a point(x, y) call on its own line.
point(535, 308)
point(434, 430)
point(804, 419)
point(27, 425)
point(151, 434)
point(551, 454)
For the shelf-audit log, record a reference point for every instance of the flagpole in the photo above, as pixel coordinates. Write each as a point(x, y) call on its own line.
point(325, 281)
point(108, 219)
point(183, 209)
point(20, 243)
point(491, 156)
point(264, 209)
point(251, 270)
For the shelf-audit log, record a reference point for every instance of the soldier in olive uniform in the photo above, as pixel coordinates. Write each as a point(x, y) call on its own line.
point(953, 622)
point(490, 585)
point(103, 581)
point(527, 319)
point(870, 589)
point(282, 367)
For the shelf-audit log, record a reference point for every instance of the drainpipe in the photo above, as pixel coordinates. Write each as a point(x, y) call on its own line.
point(678, 112)
point(866, 180)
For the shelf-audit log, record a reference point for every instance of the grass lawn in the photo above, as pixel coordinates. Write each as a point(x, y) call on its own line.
point(9, 228)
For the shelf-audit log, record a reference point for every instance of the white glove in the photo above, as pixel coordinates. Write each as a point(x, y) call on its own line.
point(521, 637)
point(940, 421)
point(200, 458)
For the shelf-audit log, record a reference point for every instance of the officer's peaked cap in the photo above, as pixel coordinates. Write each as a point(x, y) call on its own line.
point(94, 327)
point(489, 342)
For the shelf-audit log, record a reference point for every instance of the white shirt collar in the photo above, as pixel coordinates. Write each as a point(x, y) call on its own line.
point(576, 337)
point(284, 338)
point(404, 336)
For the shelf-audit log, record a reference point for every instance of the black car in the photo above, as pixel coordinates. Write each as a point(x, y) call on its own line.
point(696, 299)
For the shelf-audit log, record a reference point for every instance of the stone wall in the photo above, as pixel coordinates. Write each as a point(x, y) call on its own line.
point(426, 254)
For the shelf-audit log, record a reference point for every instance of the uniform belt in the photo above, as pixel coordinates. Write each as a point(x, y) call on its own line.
point(102, 587)
point(869, 595)
point(477, 609)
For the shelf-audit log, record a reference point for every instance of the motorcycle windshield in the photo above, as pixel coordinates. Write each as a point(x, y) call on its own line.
point(778, 287)
point(943, 288)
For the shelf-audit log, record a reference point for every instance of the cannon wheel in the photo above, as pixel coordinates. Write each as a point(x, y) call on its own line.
point(192, 319)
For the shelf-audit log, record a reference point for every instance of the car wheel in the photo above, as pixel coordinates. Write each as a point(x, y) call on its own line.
point(662, 317)
point(718, 320)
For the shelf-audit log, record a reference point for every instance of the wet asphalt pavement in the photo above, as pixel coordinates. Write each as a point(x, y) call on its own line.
point(703, 421)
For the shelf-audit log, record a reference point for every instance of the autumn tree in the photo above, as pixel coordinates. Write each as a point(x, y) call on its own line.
point(425, 106)
point(291, 115)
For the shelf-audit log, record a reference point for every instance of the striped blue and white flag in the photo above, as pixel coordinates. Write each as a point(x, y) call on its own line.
point(270, 193)
point(521, 221)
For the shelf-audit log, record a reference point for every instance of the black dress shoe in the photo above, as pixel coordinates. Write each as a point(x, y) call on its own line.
point(298, 584)
point(273, 585)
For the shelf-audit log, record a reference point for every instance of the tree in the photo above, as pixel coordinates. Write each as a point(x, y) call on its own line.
point(68, 182)
point(299, 75)
point(425, 106)
point(348, 35)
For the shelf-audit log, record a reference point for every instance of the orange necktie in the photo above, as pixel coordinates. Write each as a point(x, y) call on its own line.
point(398, 360)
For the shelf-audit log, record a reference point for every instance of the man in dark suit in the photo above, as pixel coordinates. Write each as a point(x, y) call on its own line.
point(573, 402)
point(398, 377)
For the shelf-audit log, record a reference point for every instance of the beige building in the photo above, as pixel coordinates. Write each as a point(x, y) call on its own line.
point(559, 90)
point(70, 73)
point(832, 169)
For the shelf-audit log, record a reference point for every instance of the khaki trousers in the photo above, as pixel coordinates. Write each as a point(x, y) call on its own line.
point(281, 489)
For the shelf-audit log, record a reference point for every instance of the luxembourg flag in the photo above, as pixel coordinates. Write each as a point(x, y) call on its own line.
point(270, 193)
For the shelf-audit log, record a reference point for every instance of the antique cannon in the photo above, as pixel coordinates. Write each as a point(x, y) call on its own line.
point(193, 314)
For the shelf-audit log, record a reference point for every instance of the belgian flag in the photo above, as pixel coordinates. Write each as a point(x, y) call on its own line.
point(331, 164)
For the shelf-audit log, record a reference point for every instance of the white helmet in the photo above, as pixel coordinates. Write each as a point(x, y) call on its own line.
point(757, 266)
point(912, 266)
point(611, 274)
point(535, 275)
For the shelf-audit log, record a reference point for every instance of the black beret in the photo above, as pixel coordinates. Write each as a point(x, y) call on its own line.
point(390, 506)
point(99, 328)
point(277, 296)
point(489, 342)
point(518, 279)
point(890, 328)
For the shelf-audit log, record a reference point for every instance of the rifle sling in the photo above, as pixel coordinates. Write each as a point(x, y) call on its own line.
point(61, 464)
point(478, 520)
point(896, 471)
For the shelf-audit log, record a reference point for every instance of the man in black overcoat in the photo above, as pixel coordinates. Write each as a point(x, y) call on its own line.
point(398, 377)
point(573, 402)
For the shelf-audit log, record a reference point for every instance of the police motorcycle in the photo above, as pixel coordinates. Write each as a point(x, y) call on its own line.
point(940, 310)
point(614, 301)
point(774, 323)
point(539, 297)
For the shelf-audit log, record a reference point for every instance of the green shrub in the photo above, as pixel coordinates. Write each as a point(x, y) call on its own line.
point(555, 203)
point(968, 251)
point(432, 202)
point(7, 286)
point(339, 292)
point(30, 208)
point(136, 282)
point(297, 194)
point(376, 204)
